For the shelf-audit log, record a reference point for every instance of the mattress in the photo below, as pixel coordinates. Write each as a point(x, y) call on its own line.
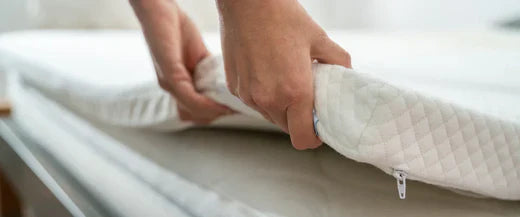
point(200, 172)
point(109, 47)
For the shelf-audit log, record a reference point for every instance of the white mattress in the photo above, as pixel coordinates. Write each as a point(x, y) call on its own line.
point(44, 55)
point(184, 174)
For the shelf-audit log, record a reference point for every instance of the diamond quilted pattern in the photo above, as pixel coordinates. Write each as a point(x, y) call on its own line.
point(361, 117)
point(434, 141)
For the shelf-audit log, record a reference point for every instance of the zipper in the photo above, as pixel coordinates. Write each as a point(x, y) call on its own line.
point(400, 176)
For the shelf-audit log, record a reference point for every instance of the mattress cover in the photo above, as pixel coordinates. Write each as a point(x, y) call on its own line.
point(125, 183)
point(211, 172)
point(406, 129)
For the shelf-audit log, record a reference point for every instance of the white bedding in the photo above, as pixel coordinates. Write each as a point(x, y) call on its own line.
point(434, 64)
point(257, 172)
point(125, 183)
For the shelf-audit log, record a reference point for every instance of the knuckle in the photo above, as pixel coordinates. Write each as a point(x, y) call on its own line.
point(267, 117)
point(245, 97)
point(263, 100)
point(163, 84)
point(177, 66)
point(177, 73)
point(346, 55)
point(167, 78)
point(247, 101)
point(292, 93)
point(321, 36)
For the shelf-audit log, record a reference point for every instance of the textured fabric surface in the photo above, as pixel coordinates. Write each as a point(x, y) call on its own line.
point(152, 172)
point(432, 140)
point(374, 118)
point(136, 186)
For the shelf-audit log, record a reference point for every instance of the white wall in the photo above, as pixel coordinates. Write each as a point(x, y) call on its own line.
point(13, 14)
point(368, 14)
point(20, 14)
point(387, 14)
point(85, 14)
point(437, 14)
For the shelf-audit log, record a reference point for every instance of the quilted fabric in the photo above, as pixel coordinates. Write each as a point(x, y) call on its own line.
point(362, 116)
point(137, 186)
point(375, 122)
point(433, 141)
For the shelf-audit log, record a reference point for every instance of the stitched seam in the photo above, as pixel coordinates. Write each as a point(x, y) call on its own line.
point(377, 104)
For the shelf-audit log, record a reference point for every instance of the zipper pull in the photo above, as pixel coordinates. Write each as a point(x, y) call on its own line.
point(400, 176)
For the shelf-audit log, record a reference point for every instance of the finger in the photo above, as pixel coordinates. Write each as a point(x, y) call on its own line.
point(273, 106)
point(230, 69)
point(243, 92)
point(299, 114)
point(184, 115)
point(301, 128)
point(197, 104)
point(327, 51)
point(279, 117)
point(230, 65)
point(272, 110)
point(240, 82)
point(246, 98)
point(268, 117)
point(194, 48)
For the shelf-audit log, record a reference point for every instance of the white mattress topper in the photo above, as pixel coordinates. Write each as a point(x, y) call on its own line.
point(441, 64)
point(270, 176)
point(410, 79)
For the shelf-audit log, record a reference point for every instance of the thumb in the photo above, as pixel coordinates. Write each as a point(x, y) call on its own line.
point(327, 51)
point(194, 48)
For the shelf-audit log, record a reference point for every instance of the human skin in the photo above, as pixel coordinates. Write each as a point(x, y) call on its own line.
point(176, 47)
point(268, 48)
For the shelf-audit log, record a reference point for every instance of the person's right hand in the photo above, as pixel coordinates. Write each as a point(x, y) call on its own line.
point(176, 47)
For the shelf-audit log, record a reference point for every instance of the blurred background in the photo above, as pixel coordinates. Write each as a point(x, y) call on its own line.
point(366, 15)
point(332, 14)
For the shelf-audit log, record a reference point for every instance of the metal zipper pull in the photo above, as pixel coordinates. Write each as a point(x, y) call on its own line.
point(400, 176)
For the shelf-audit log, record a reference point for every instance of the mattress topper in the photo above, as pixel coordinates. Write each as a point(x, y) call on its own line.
point(271, 177)
point(418, 113)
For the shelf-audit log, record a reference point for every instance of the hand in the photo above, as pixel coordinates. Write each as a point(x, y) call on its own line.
point(268, 48)
point(176, 47)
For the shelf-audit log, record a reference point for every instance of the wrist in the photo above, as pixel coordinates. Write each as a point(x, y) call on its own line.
point(154, 6)
point(236, 6)
point(239, 11)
